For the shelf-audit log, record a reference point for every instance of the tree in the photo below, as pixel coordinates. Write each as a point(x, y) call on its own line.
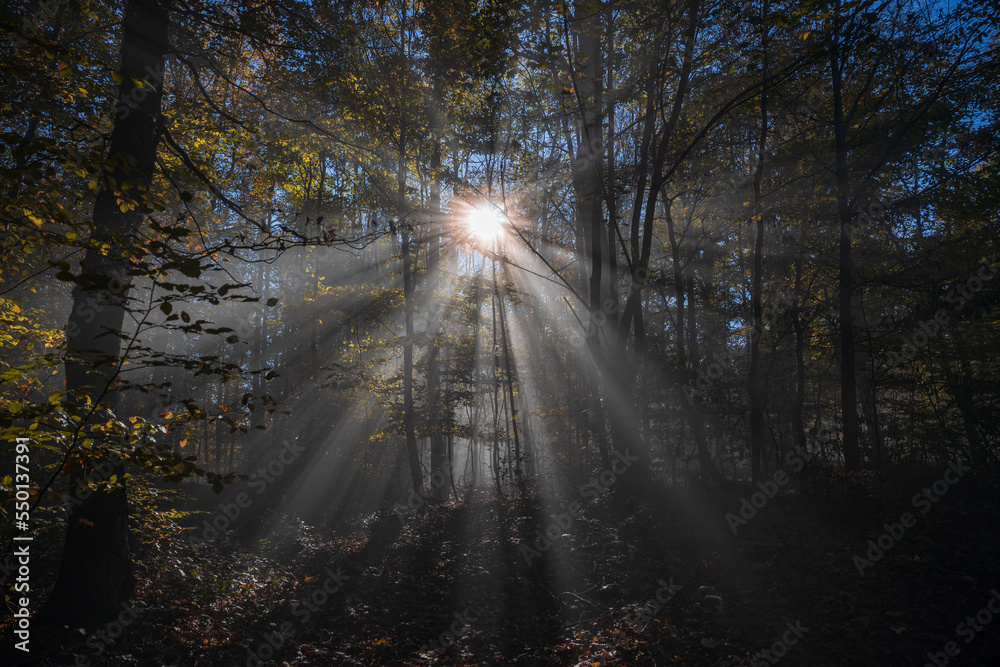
point(96, 574)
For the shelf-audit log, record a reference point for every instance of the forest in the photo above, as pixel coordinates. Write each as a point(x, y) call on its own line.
point(475, 332)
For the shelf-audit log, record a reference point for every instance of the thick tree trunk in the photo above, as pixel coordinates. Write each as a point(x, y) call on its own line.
point(96, 575)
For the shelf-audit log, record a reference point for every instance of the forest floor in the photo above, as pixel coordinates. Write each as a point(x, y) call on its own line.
point(624, 583)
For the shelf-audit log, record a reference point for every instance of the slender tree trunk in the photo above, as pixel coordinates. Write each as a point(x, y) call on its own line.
point(495, 387)
point(409, 432)
point(435, 419)
point(848, 381)
point(687, 353)
point(314, 325)
point(96, 576)
point(694, 412)
point(510, 383)
point(416, 475)
point(963, 395)
point(587, 186)
point(798, 415)
point(603, 321)
point(756, 391)
point(22, 160)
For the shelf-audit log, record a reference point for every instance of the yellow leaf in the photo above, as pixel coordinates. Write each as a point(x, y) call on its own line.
point(382, 641)
point(16, 309)
point(183, 442)
point(309, 580)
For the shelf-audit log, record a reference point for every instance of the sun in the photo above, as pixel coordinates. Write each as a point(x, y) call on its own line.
point(486, 221)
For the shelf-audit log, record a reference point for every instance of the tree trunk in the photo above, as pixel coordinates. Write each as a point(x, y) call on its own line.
point(416, 475)
point(848, 381)
point(96, 576)
point(798, 416)
point(508, 371)
point(962, 392)
point(435, 417)
point(602, 330)
point(756, 389)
